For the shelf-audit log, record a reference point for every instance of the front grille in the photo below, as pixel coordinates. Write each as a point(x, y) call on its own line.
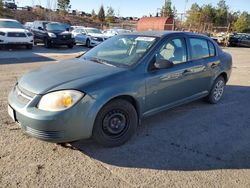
point(99, 39)
point(23, 95)
point(16, 34)
point(64, 37)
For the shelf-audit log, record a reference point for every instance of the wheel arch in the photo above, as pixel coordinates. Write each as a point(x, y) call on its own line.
point(129, 99)
point(224, 75)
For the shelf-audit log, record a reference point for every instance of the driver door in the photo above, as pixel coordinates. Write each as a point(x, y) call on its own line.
point(166, 88)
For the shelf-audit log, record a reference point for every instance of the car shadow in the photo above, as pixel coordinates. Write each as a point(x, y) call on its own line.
point(196, 136)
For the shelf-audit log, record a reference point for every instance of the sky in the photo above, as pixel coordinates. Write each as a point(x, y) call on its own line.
point(137, 8)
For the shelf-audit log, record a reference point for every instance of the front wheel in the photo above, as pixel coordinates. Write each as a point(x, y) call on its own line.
point(217, 91)
point(115, 123)
point(70, 46)
point(88, 43)
point(47, 43)
point(29, 46)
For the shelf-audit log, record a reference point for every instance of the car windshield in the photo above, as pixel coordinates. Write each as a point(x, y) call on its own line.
point(10, 24)
point(122, 50)
point(92, 30)
point(55, 27)
point(122, 31)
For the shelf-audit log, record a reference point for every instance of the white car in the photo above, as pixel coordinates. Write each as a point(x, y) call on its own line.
point(12, 32)
point(112, 32)
point(88, 36)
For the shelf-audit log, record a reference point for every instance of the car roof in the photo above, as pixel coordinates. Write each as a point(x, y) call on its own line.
point(164, 33)
point(8, 20)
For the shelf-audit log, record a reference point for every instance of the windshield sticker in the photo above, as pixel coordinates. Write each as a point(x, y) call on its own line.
point(147, 39)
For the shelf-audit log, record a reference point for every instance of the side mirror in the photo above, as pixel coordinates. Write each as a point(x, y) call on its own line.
point(163, 64)
point(40, 28)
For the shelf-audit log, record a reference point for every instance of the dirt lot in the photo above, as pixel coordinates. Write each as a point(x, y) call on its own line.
point(195, 145)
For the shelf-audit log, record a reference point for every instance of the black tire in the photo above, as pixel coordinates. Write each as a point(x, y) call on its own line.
point(115, 124)
point(29, 46)
point(70, 46)
point(47, 43)
point(88, 43)
point(217, 91)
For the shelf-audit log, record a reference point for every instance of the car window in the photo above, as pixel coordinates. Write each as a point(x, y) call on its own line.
point(211, 49)
point(199, 48)
point(174, 51)
point(121, 50)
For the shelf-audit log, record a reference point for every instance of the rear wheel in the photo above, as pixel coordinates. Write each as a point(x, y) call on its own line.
point(115, 123)
point(217, 91)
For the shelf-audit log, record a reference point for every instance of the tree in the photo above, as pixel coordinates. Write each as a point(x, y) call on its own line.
point(221, 18)
point(1, 6)
point(242, 24)
point(63, 5)
point(93, 15)
point(110, 16)
point(208, 13)
point(101, 14)
point(193, 18)
point(167, 10)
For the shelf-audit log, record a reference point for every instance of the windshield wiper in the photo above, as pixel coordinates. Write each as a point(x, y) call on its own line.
point(101, 61)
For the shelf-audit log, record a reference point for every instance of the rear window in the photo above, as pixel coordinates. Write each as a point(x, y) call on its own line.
point(199, 48)
point(211, 49)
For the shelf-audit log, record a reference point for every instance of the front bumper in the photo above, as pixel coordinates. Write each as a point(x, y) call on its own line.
point(57, 41)
point(73, 124)
point(16, 40)
point(95, 43)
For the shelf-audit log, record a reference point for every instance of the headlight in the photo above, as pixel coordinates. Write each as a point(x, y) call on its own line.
point(29, 34)
point(52, 35)
point(94, 38)
point(2, 33)
point(59, 100)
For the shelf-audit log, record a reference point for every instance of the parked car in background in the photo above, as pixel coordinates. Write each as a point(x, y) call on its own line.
point(105, 93)
point(9, 4)
point(88, 36)
point(51, 34)
point(12, 32)
point(239, 39)
point(112, 32)
point(28, 25)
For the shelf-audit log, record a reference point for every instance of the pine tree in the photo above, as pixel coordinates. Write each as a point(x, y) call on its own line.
point(63, 5)
point(101, 14)
point(167, 10)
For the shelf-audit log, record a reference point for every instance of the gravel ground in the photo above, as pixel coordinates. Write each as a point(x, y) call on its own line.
point(195, 145)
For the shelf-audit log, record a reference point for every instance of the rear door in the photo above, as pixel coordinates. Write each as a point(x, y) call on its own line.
point(205, 62)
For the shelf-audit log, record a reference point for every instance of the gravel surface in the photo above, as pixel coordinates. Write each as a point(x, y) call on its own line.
point(195, 145)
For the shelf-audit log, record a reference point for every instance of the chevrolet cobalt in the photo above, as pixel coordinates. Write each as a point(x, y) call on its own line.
point(105, 93)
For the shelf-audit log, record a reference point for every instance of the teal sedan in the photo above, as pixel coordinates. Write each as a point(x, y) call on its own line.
point(105, 93)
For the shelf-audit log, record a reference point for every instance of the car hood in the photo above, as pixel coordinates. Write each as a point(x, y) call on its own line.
point(60, 75)
point(96, 35)
point(13, 30)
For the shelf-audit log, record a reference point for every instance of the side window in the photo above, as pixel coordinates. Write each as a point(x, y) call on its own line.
point(211, 49)
point(174, 51)
point(199, 48)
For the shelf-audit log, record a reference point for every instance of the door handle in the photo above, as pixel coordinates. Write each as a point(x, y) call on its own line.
point(187, 71)
point(214, 65)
